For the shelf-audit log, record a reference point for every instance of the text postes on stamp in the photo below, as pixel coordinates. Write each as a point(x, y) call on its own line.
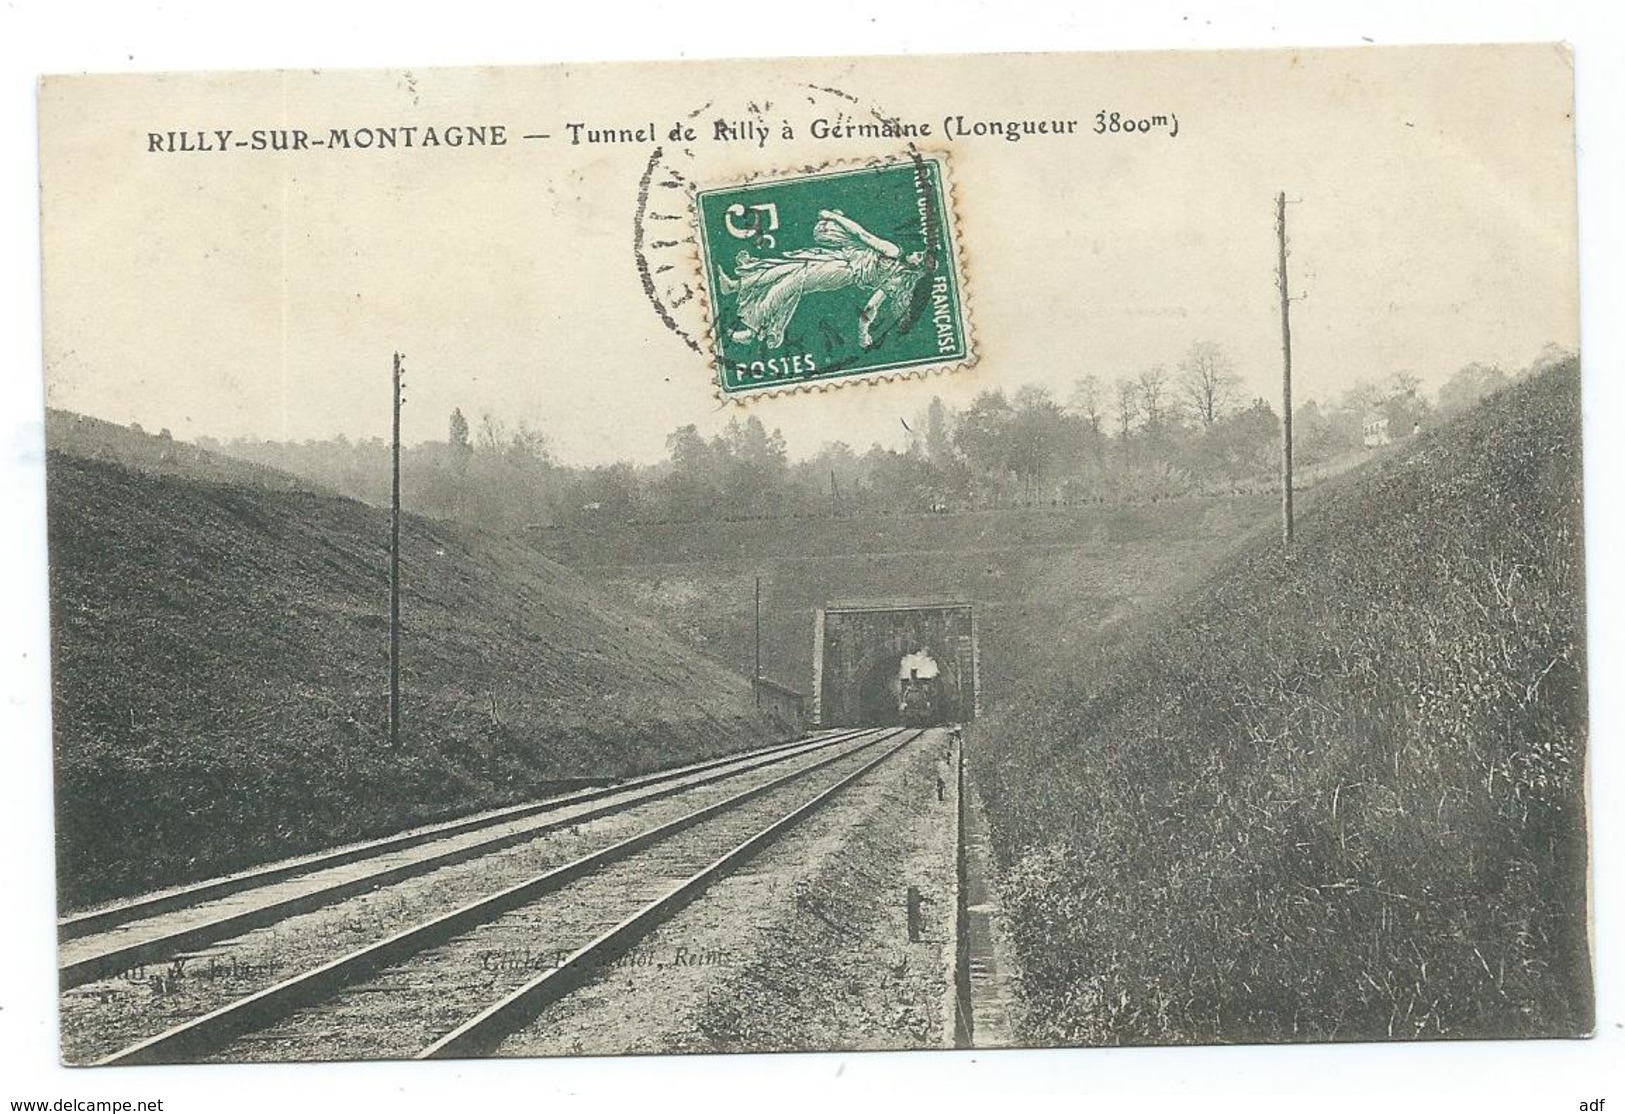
point(833, 275)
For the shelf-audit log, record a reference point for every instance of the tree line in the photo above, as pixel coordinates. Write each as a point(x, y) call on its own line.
point(1154, 433)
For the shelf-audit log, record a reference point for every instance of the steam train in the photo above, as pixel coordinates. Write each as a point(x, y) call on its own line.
point(919, 702)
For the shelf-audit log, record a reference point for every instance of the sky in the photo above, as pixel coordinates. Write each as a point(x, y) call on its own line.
point(244, 293)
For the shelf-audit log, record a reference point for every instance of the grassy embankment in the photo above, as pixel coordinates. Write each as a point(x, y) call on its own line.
point(1332, 796)
point(1042, 580)
point(220, 674)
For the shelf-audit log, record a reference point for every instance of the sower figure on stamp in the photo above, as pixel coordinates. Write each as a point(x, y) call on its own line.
point(848, 255)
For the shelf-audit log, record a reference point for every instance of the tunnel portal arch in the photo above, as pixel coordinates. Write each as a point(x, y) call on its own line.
point(858, 663)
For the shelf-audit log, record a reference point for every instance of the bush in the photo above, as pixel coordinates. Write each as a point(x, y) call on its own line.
point(1335, 793)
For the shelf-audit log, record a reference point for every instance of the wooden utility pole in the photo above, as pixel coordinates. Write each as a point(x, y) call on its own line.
point(756, 674)
point(395, 559)
point(1286, 373)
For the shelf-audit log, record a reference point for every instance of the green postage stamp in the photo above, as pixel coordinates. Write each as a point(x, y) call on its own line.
point(839, 274)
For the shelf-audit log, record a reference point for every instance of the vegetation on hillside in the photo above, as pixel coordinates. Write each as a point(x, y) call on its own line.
point(220, 686)
point(1153, 434)
point(1039, 577)
point(159, 454)
point(1331, 794)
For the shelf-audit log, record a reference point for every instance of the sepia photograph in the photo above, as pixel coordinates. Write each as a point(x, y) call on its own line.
point(914, 552)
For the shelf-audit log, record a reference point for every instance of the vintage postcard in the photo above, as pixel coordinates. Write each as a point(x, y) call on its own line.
point(855, 553)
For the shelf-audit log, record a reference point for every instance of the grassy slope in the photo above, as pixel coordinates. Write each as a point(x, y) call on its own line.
point(220, 656)
point(1335, 797)
point(94, 439)
point(1039, 578)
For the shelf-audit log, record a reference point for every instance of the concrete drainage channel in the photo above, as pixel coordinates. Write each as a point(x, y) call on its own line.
point(985, 1003)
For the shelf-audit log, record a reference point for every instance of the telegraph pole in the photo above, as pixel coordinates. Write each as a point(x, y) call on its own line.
point(756, 675)
point(1286, 373)
point(395, 560)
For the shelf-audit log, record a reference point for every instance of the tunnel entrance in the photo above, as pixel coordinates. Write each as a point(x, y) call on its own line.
point(911, 663)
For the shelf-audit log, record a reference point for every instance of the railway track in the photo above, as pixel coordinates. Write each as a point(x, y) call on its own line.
point(430, 986)
point(104, 942)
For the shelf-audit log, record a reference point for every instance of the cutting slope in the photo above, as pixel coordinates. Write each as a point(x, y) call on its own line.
point(220, 676)
point(1336, 795)
point(1039, 577)
point(94, 439)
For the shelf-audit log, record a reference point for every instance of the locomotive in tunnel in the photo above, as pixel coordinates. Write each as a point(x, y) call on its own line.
point(895, 663)
point(919, 687)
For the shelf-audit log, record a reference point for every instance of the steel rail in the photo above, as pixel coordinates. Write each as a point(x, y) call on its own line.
point(107, 963)
point(99, 920)
point(195, 1038)
point(480, 1035)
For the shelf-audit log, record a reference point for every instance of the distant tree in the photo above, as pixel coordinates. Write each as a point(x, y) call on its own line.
point(1128, 406)
point(1395, 399)
point(689, 491)
point(1037, 431)
point(457, 434)
point(1086, 400)
point(939, 446)
point(1208, 381)
point(1406, 411)
point(611, 492)
point(1033, 396)
point(1318, 434)
point(1403, 382)
point(833, 480)
point(752, 468)
point(686, 448)
point(1153, 384)
point(1362, 398)
point(1247, 441)
point(1467, 386)
point(529, 446)
point(902, 483)
point(983, 433)
point(753, 446)
point(1551, 355)
point(982, 436)
point(493, 433)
